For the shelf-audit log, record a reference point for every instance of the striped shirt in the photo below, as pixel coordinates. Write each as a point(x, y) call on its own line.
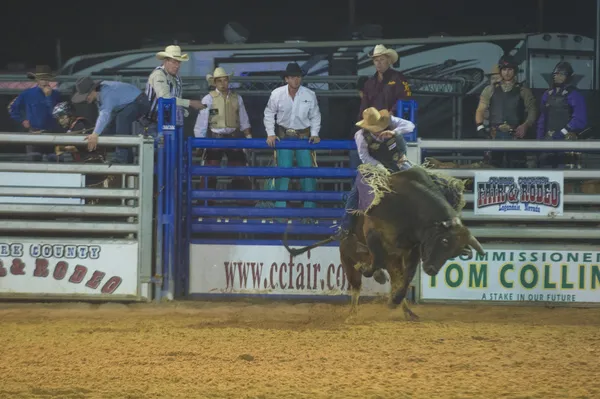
point(162, 84)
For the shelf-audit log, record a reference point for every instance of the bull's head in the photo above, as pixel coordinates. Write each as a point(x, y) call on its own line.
point(445, 240)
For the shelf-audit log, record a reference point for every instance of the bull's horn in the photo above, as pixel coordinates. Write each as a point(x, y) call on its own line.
point(476, 245)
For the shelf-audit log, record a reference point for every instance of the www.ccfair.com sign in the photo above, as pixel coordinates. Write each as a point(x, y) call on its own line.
point(519, 193)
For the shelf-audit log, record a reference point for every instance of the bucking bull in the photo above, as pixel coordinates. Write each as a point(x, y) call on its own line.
point(410, 216)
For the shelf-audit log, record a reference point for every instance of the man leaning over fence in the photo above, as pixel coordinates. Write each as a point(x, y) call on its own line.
point(38, 103)
point(165, 82)
point(225, 117)
point(292, 113)
point(119, 106)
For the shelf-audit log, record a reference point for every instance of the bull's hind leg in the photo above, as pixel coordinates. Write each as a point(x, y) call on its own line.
point(355, 280)
point(377, 250)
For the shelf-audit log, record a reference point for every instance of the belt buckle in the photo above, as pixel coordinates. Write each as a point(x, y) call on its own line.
point(291, 132)
point(504, 128)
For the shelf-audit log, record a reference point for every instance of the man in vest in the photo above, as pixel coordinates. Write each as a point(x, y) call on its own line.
point(511, 109)
point(563, 113)
point(380, 142)
point(164, 82)
point(224, 117)
point(296, 110)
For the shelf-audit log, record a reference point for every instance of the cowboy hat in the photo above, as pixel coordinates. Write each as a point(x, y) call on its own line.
point(293, 69)
point(218, 73)
point(42, 72)
point(375, 121)
point(380, 49)
point(173, 52)
point(83, 87)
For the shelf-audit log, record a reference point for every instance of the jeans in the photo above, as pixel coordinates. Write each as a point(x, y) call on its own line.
point(122, 124)
point(285, 159)
point(351, 205)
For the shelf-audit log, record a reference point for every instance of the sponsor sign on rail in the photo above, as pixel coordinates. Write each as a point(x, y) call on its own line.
point(518, 275)
point(258, 269)
point(38, 267)
point(537, 193)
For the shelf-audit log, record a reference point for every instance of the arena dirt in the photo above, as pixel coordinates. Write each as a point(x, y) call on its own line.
point(241, 350)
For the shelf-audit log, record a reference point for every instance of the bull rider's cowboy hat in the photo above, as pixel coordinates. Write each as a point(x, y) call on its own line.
point(292, 69)
point(42, 72)
point(380, 49)
point(83, 87)
point(218, 73)
point(375, 121)
point(173, 52)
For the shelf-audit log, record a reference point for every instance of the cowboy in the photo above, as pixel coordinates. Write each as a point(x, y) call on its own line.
point(119, 105)
point(225, 116)
point(563, 113)
point(508, 101)
point(380, 142)
point(33, 107)
point(165, 82)
point(386, 86)
point(298, 118)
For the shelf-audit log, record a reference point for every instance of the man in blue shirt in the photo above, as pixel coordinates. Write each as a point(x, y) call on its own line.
point(33, 107)
point(119, 105)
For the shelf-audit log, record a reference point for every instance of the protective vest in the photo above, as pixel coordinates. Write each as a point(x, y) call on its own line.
point(506, 107)
point(174, 89)
point(79, 123)
point(558, 111)
point(387, 152)
point(224, 111)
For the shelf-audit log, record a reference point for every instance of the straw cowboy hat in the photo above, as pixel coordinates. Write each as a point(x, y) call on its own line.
point(42, 72)
point(375, 121)
point(380, 49)
point(173, 52)
point(218, 73)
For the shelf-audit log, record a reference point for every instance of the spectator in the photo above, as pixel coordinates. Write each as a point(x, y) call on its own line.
point(508, 102)
point(225, 116)
point(386, 86)
point(165, 82)
point(563, 113)
point(33, 108)
point(119, 105)
point(292, 113)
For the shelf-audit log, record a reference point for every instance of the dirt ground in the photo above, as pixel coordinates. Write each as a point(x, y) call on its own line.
point(241, 350)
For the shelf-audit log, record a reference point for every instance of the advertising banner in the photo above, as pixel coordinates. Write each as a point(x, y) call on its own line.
point(518, 275)
point(504, 192)
point(265, 269)
point(38, 267)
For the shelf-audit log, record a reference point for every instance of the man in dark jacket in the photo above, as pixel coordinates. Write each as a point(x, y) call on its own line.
point(563, 113)
point(386, 86)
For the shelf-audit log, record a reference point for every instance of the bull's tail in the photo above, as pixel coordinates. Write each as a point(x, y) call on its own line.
point(300, 251)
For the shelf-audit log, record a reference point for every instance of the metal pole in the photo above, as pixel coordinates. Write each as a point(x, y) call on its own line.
point(597, 55)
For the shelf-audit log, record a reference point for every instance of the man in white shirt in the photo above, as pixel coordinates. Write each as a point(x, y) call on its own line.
point(224, 117)
point(165, 82)
point(380, 142)
point(296, 110)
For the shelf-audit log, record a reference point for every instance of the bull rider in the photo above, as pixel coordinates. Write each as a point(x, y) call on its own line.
point(380, 142)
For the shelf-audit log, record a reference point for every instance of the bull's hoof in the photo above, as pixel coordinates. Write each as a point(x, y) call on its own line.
point(380, 277)
point(409, 315)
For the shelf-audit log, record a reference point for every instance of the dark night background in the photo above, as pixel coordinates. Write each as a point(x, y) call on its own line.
point(30, 30)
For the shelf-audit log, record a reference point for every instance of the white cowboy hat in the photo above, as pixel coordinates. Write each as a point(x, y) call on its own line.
point(380, 49)
point(173, 52)
point(218, 73)
point(375, 121)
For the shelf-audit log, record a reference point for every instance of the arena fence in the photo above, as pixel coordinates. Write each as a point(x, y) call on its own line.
point(76, 230)
point(541, 243)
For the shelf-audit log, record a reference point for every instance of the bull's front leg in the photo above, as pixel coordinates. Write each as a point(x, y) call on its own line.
point(377, 250)
point(401, 275)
